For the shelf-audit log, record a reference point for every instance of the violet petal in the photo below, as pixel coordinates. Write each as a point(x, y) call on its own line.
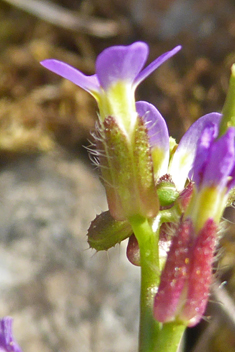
point(183, 159)
point(220, 161)
point(158, 134)
point(155, 64)
point(155, 123)
point(202, 153)
point(121, 63)
point(7, 342)
point(88, 83)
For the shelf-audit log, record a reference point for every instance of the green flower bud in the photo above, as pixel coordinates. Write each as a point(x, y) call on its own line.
point(105, 232)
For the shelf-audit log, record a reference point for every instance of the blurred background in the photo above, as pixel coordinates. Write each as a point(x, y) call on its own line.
point(63, 296)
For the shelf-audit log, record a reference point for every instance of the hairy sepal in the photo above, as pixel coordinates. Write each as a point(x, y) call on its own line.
point(105, 232)
point(127, 170)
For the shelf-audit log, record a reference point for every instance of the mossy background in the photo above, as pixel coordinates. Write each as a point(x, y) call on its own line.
point(61, 296)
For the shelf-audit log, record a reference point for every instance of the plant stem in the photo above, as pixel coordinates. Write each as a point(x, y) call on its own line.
point(148, 244)
point(169, 337)
point(153, 336)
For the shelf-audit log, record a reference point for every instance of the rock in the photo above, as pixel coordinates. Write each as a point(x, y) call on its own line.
point(62, 296)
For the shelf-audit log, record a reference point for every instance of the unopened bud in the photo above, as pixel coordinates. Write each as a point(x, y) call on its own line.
point(184, 286)
point(133, 251)
point(105, 232)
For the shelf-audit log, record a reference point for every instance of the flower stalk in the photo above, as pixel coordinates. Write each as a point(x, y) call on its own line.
point(149, 262)
point(169, 338)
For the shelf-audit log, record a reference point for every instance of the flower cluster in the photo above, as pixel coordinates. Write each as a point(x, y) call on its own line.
point(180, 189)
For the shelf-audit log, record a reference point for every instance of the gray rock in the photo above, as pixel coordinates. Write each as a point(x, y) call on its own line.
point(62, 295)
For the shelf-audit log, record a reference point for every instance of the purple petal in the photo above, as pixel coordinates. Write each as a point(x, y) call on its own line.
point(202, 153)
point(157, 127)
point(121, 63)
point(155, 64)
point(220, 161)
point(183, 159)
point(7, 342)
point(158, 135)
point(88, 83)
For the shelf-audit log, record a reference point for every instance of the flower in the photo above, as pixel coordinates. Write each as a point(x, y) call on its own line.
point(125, 129)
point(118, 73)
point(182, 161)
point(213, 173)
point(7, 342)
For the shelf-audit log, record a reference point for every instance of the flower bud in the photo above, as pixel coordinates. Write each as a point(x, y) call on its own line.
point(185, 280)
point(166, 191)
point(105, 232)
point(200, 274)
point(133, 251)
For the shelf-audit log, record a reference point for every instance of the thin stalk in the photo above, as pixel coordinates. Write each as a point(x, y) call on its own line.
point(228, 119)
point(169, 337)
point(148, 244)
point(153, 336)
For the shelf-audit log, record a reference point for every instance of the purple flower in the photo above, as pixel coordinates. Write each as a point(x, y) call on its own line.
point(126, 130)
point(181, 164)
point(114, 64)
point(119, 70)
point(7, 342)
point(213, 173)
point(215, 159)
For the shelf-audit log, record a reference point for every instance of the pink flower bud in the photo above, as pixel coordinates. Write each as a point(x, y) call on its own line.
point(184, 287)
point(174, 275)
point(200, 274)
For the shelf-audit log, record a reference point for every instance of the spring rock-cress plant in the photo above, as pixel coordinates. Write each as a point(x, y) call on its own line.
point(168, 199)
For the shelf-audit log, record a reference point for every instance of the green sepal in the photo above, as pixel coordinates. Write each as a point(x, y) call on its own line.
point(127, 170)
point(105, 232)
point(144, 172)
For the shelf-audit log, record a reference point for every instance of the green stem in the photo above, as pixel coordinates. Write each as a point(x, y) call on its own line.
point(228, 118)
point(169, 337)
point(148, 244)
point(153, 336)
